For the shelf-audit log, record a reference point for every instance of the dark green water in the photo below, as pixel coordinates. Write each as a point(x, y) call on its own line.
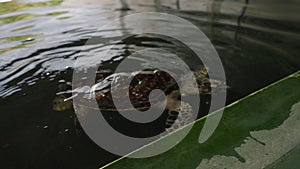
point(257, 41)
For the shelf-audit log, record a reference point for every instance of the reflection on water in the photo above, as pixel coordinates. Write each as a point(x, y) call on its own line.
point(258, 42)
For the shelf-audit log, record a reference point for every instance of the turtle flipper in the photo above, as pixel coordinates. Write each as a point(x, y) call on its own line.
point(179, 117)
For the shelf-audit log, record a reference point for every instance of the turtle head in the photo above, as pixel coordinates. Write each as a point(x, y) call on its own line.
point(203, 85)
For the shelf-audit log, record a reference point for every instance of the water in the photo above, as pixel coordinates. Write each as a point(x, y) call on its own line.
point(258, 43)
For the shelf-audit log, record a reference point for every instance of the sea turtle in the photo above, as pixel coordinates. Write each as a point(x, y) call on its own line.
point(141, 85)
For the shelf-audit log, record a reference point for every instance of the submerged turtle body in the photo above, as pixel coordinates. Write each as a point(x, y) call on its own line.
point(137, 86)
point(141, 85)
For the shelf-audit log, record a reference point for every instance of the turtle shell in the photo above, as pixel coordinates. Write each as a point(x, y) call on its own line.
point(138, 90)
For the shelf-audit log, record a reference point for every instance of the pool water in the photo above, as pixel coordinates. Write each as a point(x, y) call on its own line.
point(257, 41)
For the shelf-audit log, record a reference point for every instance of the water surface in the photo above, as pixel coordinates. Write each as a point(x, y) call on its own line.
point(258, 43)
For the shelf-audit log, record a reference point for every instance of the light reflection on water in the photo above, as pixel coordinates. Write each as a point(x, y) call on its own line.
point(258, 43)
